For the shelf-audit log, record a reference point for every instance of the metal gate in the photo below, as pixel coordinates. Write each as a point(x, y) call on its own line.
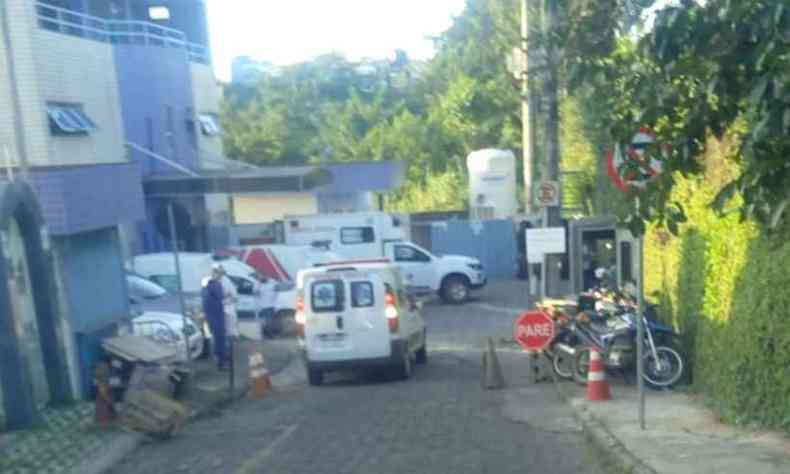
point(491, 241)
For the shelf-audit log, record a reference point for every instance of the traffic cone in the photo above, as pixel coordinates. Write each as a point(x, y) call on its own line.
point(597, 386)
point(260, 379)
point(492, 371)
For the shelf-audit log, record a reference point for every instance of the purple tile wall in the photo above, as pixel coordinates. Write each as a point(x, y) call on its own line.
point(82, 198)
point(152, 79)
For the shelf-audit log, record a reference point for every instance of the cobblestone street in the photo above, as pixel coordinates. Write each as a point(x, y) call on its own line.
point(440, 421)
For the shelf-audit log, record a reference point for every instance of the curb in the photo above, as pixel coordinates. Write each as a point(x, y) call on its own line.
point(113, 453)
point(604, 441)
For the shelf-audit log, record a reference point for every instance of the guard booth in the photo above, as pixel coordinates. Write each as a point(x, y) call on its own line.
point(595, 242)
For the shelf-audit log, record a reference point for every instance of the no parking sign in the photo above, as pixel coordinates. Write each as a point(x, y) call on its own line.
point(617, 157)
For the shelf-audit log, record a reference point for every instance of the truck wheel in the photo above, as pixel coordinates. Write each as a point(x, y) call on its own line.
point(455, 290)
point(315, 376)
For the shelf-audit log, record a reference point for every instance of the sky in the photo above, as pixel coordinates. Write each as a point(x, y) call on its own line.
point(292, 31)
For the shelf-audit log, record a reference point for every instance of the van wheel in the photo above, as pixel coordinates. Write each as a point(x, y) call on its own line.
point(404, 368)
point(315, 376)
point(422, 354)
point(455, 290)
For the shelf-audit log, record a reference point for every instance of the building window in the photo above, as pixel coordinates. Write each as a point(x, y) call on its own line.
point(159, 13)
point(69, 119)
point(357, 235)
point(209, 124)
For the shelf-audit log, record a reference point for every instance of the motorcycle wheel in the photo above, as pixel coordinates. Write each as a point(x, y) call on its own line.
point(581, 365)
point(562, 364)
point(671, 367)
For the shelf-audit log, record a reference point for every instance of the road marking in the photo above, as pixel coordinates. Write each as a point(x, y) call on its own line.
point(255, 463)
point(497, 309)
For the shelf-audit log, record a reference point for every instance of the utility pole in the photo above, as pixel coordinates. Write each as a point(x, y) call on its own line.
point(552, 112)
point(526, 108)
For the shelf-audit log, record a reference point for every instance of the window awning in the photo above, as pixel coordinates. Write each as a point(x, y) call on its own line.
point(69, 119)
point(209, 125)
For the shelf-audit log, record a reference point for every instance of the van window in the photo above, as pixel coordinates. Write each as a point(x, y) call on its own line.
point(357, 235)
point(327, 296)
point(362, 294)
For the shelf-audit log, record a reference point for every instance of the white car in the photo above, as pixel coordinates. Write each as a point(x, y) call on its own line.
point(168, 328)
point(358, 316)
point(161, 269)
point(156, 316)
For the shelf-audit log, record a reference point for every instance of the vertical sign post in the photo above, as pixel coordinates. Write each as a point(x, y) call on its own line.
point(174, 240)
point(640, 335)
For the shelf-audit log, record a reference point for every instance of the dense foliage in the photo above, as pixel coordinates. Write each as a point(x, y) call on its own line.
point(430, 115)
point(704, 66)
point(717, 282)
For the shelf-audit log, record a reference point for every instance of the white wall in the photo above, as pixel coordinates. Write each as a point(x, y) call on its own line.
point(80, 71)
point(60, 68)
point(21, 24)
point(267, 208)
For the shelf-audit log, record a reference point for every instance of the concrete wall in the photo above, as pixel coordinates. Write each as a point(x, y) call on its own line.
point(54, 67)
point(80, 71)
point(207, 95)
point(153, 80)
point(267, 208)
point(21, 28)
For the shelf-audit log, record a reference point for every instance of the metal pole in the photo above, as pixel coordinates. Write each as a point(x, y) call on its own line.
point(526, 134)
point(174, 240)
point(640, 335)
point(543, 285)
point(232, 371)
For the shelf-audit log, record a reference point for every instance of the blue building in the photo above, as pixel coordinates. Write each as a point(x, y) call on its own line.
point(108, 117)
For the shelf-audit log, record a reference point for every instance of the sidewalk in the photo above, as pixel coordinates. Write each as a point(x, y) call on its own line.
point(68, 441)
point(681, 436)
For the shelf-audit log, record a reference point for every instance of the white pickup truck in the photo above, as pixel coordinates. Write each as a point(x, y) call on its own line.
point(374, 235)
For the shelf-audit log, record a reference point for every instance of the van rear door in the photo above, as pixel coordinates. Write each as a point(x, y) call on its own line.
point(345, 317)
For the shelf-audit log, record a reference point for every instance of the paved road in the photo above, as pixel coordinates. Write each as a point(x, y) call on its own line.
point(438, 422)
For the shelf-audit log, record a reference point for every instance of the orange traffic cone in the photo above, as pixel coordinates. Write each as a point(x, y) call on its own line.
point(260, 380)
point(597, 386)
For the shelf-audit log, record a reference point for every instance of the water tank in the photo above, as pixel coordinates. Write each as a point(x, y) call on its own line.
point(492, 184)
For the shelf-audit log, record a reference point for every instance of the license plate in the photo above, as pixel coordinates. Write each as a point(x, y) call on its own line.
point(332, 340)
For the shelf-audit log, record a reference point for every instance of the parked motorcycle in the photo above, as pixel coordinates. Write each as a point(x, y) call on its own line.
point(616, 340)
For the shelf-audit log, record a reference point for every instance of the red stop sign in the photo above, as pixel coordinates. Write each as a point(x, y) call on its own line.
point(534, 330)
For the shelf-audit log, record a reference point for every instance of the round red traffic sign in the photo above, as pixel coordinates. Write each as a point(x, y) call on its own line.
point(616, 158)
point(534, 330)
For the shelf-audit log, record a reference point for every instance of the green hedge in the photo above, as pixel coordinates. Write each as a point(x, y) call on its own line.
point(726, 288)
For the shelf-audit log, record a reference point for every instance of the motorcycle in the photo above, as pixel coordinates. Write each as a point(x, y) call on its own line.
point(616, 341)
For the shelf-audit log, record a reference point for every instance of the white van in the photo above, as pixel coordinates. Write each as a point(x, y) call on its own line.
point(161, 269)
point(377, 234)
point(358, 315)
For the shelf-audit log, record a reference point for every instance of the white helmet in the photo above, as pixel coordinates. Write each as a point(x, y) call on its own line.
point(600, 273)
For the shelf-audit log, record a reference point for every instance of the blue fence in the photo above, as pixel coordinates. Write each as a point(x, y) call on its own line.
point(493, 242)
